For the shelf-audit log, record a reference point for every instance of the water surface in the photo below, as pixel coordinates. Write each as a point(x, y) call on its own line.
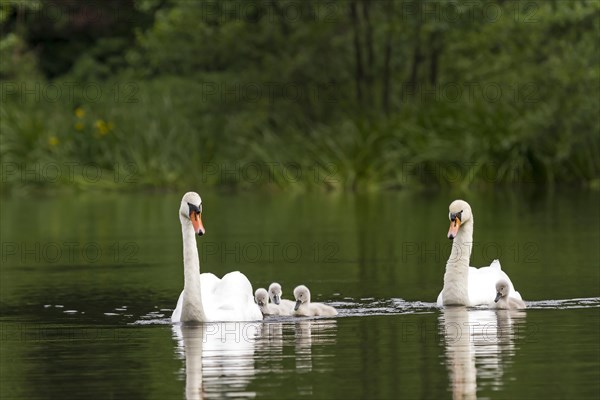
point(88, 283)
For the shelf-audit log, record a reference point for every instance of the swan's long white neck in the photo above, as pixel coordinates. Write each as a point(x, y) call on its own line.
point(456, 278)
point(192, 297)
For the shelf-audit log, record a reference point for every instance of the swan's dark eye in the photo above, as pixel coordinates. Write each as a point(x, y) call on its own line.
point(195, 208)
point(458, 215)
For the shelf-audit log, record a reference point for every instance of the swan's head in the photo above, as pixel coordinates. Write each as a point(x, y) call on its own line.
point(302, 295)
point(261, 297)
point(191, 210)
point(502, 289)
point(275, 292)
point(460, 213)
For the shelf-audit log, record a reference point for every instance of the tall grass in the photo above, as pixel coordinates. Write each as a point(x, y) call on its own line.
point(168, 138)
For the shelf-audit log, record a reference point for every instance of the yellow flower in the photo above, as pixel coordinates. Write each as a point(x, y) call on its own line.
point(79, 126)
point(79, 112)
point(52, 141)
point(102, 127)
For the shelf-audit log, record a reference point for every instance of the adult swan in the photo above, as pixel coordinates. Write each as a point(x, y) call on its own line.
point(464, 285)
point(206, 298)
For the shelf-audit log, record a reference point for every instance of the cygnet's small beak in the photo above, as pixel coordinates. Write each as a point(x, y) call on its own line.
point(196, 218)
point(498, 296)
point(298, 302)
point(453, 231)
point(276, 299)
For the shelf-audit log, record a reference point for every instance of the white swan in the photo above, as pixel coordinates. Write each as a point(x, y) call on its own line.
point(503, 300)
point(275, 293)
point(262, 299)
point(464, 285)
point(307, 309)
point(206, 298)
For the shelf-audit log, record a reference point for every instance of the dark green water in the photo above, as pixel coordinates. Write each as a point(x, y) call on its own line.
point(88, 283)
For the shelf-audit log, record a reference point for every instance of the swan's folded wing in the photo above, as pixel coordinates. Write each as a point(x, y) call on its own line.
point(482, 284)
point(515, 295)
point(208, 284)
point(231, 299)
point(236, 287)
point(439, 301)
point(176, 317)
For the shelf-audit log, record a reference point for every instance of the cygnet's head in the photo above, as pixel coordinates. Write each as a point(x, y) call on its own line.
point(191, 210)
point(460, 214)
point(275, 292)
point(302, 296)
point(261, 297)
point(502, 289)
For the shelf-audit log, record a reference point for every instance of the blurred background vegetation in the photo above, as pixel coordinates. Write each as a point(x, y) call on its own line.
point(350, 95)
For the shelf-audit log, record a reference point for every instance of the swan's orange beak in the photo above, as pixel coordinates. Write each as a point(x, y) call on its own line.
point(453, 231)
point(196, 218)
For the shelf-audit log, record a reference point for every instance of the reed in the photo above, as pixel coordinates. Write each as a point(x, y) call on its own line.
point(167, 139)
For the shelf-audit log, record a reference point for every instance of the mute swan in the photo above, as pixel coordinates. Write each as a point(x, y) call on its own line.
point(307, 309)
point(275, 295)
point(206, 298)
point(502, 299)
point(464, 285)
point(262, 299)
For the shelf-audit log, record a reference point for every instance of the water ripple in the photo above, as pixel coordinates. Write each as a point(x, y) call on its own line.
point(394, 306)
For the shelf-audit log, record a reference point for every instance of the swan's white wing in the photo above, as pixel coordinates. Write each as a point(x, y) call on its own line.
point(176, 317)
point(227, 299)
point(515, 295)
point(208, 283)
point(231, 299)
point(482, 284)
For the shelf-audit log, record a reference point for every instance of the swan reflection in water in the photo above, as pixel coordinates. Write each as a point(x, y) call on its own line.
point(218, 355)
point(479, 344)
point(225, 357)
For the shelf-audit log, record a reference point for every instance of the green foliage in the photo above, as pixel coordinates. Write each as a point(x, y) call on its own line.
point(350, 96)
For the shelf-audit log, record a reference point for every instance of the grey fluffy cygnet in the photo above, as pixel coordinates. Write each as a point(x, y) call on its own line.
point(503, 300)
point(286, 306)
point(305, 308)
point(262, 299)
